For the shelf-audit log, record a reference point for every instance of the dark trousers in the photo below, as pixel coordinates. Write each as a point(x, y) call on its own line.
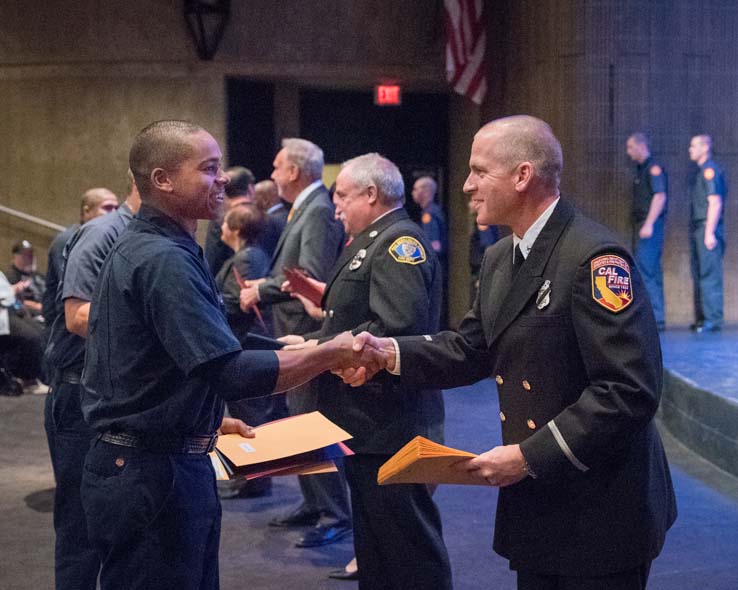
point(23, 347)
point(76, 563)
point(324, 494)
point(154, 519)
point(397, 531)
point(707, 275)
point(648, 258)
point(634, 579)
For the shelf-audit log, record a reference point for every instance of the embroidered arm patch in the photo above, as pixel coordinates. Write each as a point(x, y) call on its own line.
point(612, 287)
point(407, 250)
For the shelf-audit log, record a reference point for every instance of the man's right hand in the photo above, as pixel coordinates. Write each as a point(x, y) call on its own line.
point(380, 351)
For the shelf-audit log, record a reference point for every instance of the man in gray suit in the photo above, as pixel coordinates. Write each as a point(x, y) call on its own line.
point(311, 240)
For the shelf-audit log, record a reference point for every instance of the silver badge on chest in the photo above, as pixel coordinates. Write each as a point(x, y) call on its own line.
point(544, 295)
point(357, 259)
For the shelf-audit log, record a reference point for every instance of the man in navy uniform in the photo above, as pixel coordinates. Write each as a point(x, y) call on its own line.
point(648, 216)
point(707, 192)
point(563, 323)
point(160, 361)
point(385, 281)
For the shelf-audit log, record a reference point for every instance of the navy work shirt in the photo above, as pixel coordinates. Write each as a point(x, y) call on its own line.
point(650, 179)
point(708, 180)
point(84, 255)
point(156, 317)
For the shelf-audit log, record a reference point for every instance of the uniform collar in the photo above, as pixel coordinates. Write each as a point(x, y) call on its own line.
point(166, 226)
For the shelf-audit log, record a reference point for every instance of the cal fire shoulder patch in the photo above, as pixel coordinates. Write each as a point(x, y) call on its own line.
point(612, 287)
point(709, 173)
point(655, 170)
point(407, 250)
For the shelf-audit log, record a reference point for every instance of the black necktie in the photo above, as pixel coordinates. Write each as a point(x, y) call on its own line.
point(517, 259)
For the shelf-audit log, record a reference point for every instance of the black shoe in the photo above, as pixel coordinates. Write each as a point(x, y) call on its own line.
point(708, 326)
point(696, 326)
point(342, 574)
point(298, 517)
point(256, 488)
point(324, 535)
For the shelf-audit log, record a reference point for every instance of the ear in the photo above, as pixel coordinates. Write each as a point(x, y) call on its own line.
point(161, 181)
point(523, 176)
point(294, 172)
point(372, 194)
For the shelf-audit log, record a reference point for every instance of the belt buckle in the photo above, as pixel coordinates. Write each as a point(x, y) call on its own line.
point(213, 442)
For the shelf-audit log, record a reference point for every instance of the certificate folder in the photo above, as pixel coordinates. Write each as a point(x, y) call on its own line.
point(299, 444)
point(301, 285)
point(424, 461)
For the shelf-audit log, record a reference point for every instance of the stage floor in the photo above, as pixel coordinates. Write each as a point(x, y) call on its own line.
point(709, 360)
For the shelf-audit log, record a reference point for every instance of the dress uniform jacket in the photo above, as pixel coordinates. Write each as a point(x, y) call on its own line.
point(572, 344)
point(371, 290)
point(311, 240)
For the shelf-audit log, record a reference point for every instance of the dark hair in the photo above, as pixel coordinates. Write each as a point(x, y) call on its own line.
point(241, 181)
point(248, 221)
point(162, 144)
point(641, 138)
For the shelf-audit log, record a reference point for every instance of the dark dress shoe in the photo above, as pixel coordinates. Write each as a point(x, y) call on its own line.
point(342, 574)
point(298, 517)
point(324, 535)
point(696, 326)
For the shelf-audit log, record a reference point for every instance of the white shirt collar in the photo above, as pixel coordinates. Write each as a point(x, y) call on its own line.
point(305, 192)
point(527, 241)
point(274, 208)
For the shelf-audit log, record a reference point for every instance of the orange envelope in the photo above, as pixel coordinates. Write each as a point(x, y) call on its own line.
point(424, 461)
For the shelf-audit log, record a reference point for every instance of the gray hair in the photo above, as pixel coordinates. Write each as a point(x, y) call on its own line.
point(375, 170)
point(304, 154)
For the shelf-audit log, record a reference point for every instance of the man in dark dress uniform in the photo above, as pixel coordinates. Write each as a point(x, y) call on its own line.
point(707, 192)
point(386, 281)
point(648, 217)
point(563, 323)
point(160, 361)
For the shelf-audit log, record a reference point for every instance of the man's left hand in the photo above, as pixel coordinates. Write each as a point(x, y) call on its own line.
point(236, 426)
point(501, 466)
point(249, 298)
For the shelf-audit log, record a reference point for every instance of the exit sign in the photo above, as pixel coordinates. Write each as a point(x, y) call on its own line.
point(387, 95)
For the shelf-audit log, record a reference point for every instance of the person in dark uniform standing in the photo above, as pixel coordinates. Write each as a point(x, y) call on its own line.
point(76, 563)
point(649, 216)
point(160, 361)
point(564, 323)
point(432, 218)
point(386, 282)
point(707, 191)
point(481, 238)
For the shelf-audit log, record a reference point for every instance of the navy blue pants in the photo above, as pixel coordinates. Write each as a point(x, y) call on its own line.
point(76, 563)
point(707, 275)
point(397, 531)
point(648, 258)
point(154, 519)
point(633, 579)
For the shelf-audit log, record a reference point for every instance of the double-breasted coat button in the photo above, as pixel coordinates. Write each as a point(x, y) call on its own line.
point(499, 380)
point(502, 416)
point(526, 385)
point(531, 424)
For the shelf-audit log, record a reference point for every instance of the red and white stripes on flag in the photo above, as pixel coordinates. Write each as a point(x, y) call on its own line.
point(465, 47)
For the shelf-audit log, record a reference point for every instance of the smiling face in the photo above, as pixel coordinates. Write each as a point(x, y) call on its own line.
point(197, 185)
point(491, 184)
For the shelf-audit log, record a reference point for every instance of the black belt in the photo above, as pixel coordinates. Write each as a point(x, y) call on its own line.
point(69, 376)
point(186, 445)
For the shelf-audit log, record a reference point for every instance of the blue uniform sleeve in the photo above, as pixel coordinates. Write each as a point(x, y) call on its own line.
point(657, 179)
point(711, 177)
point(88, 249)
point(181, 304)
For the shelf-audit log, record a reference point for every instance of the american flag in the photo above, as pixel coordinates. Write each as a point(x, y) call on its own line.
point(465, 47)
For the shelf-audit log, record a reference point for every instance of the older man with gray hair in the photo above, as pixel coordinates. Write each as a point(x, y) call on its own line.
point(388, 283)
point(311, 241)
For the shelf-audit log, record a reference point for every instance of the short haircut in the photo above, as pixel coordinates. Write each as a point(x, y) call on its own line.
point(529, 139)
point(248, 221)
point(705, 139)
point(641, 138)
point(241, 181)
point(307, 156)
point(375, 170)
point(430, 182)
point(93, 197)
point(162, 144)
point(266, 194)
